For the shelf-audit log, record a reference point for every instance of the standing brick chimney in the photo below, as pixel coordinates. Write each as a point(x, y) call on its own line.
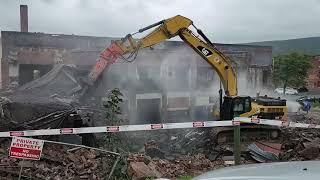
point(24, 18)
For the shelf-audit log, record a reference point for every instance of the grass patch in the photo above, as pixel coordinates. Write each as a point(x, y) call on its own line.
point(180, 178)
point(315, 104)
point(185, 178)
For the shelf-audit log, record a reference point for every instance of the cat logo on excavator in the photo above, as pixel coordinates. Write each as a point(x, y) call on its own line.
point(205, 51)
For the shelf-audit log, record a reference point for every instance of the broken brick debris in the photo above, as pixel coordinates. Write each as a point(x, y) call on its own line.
point(139, 170)
point(56, 163)
point(300, 144)
point(162, 161)
point(153, 150)
point(180, 166)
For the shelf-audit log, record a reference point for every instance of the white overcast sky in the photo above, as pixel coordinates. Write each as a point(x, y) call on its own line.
point(224, 21)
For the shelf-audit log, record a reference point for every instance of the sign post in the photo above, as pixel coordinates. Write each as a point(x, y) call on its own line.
point(236, 142)
point(26, 148)
point(21, 168)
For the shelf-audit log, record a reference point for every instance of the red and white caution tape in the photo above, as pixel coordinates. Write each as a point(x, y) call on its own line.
point(145, 127)
point(278, 123)
point(124, 128)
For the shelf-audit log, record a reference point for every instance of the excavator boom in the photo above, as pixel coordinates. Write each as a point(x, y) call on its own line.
point(166, 29)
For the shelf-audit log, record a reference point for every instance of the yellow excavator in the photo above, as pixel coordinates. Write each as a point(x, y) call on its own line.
point(232, 105)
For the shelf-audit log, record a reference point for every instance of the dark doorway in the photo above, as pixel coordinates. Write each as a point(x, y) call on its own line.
point(148, 111)
point(29, 72)
point(265, 75)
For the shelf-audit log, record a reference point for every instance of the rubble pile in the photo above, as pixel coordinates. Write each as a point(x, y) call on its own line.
point(178, 158)
point(20, 115)
point(43, 103)
point(314, 116)
point(58, 163)
point(181, 141)
point(300, 144)
point(141, 166)
point(62, 80)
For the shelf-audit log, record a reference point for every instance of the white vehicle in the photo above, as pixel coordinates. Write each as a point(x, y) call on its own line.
point(289, 91)
point(272, 171)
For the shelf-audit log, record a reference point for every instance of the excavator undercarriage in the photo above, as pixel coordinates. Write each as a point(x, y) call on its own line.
point(249, 133)
point(262, 107)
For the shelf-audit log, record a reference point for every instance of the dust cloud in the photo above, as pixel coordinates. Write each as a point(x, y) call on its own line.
point(175, 70)
point(293, 106)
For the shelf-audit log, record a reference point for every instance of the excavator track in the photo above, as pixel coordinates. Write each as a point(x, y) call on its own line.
point(249, 133)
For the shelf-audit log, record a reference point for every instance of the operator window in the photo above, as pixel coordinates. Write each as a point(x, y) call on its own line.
point(238, 107)
point(247, 105)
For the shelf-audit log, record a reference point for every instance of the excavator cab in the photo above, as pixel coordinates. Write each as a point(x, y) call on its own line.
point(235, 106)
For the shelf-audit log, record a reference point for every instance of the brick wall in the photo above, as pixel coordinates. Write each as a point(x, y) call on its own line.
point(314, 74)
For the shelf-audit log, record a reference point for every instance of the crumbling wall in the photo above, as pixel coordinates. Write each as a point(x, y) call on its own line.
point(44, 102)
point(44, 49)
point(259, 77)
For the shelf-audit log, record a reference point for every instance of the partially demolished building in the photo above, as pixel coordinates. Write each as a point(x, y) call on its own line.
point(168, 82)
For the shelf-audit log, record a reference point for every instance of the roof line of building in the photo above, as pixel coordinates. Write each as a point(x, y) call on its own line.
point(115, 38)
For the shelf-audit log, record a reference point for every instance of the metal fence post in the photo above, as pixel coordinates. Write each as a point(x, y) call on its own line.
point(236, 141)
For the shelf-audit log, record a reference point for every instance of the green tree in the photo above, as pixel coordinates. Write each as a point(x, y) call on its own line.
point(113, 141)
point(112, 106)
point(291, 70)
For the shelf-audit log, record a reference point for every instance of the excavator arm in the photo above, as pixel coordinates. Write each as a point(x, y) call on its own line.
point(166, 29)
